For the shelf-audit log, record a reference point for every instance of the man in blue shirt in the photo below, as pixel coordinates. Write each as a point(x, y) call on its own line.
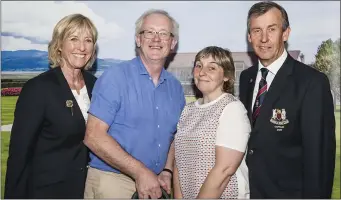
point(133, 116)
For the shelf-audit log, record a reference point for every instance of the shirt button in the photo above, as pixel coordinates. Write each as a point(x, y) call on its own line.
point(250, 152)
point(150, 78)
point(158, 126)
point(159, 145)
point(157, 108)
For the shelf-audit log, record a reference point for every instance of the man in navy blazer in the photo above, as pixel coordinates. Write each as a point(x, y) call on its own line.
point(291, 150)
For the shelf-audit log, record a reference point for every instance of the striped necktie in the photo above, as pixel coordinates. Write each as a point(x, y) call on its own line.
point(262, 90)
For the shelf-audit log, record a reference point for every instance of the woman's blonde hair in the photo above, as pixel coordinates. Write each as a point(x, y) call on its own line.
point(224, 59)
point(64, 28)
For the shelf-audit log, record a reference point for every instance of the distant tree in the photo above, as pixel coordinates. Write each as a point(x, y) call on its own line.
point(327, 60)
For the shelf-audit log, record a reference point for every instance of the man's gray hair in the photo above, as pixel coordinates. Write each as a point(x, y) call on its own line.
point(261, 8)
point(140, 21)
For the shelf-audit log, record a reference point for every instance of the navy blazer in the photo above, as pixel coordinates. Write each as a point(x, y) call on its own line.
point(47, 157)
point(291, 155)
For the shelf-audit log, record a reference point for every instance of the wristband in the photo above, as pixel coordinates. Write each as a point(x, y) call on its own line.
point(168, 170)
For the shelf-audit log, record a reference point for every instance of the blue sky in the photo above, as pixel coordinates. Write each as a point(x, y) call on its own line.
point(29, 25)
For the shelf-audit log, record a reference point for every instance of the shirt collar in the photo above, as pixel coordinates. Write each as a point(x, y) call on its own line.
point(276, 65)
point(141, 67)
point(143, 71)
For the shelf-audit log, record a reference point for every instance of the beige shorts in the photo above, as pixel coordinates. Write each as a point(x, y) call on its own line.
point(102, 184)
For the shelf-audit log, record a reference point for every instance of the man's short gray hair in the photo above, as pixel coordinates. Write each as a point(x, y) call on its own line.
point(261, 8)
point(140, 21)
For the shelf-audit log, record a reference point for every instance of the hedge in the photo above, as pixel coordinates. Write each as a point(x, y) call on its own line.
point(14, 91)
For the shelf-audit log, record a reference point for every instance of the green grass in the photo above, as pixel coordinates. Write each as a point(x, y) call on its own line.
point(7, 109)
point(190, 99)
point(336, 187)
point(4, 154)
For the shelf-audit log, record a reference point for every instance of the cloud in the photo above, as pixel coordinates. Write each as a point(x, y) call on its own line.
point(202, 23)
point(32, 39)
point(35, 20)
point(10, 43)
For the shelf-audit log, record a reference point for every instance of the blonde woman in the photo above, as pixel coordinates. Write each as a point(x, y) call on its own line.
point(47, 157)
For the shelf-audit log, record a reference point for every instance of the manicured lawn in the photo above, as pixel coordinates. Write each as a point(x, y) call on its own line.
point(7, 109)
point(5, 136)
point(336, 187)
point(190, 99)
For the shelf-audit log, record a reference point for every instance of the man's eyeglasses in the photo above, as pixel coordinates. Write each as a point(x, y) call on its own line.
point(164, 35)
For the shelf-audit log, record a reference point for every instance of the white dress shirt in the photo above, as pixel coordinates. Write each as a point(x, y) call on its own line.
point(273, 69)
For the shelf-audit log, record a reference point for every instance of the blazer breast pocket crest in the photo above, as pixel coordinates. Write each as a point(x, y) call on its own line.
point(279, 118)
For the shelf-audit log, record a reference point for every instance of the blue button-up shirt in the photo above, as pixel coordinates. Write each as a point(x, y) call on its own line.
point(142, 117)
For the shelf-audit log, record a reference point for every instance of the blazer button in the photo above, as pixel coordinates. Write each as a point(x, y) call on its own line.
point(250, 152)
point(82, 169)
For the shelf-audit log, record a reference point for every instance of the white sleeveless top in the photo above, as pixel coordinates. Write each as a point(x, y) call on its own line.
point(83, 101)
point(222, 122)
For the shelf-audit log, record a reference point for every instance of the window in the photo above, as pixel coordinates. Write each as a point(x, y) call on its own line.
point(183, 74)
point(239, 67)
